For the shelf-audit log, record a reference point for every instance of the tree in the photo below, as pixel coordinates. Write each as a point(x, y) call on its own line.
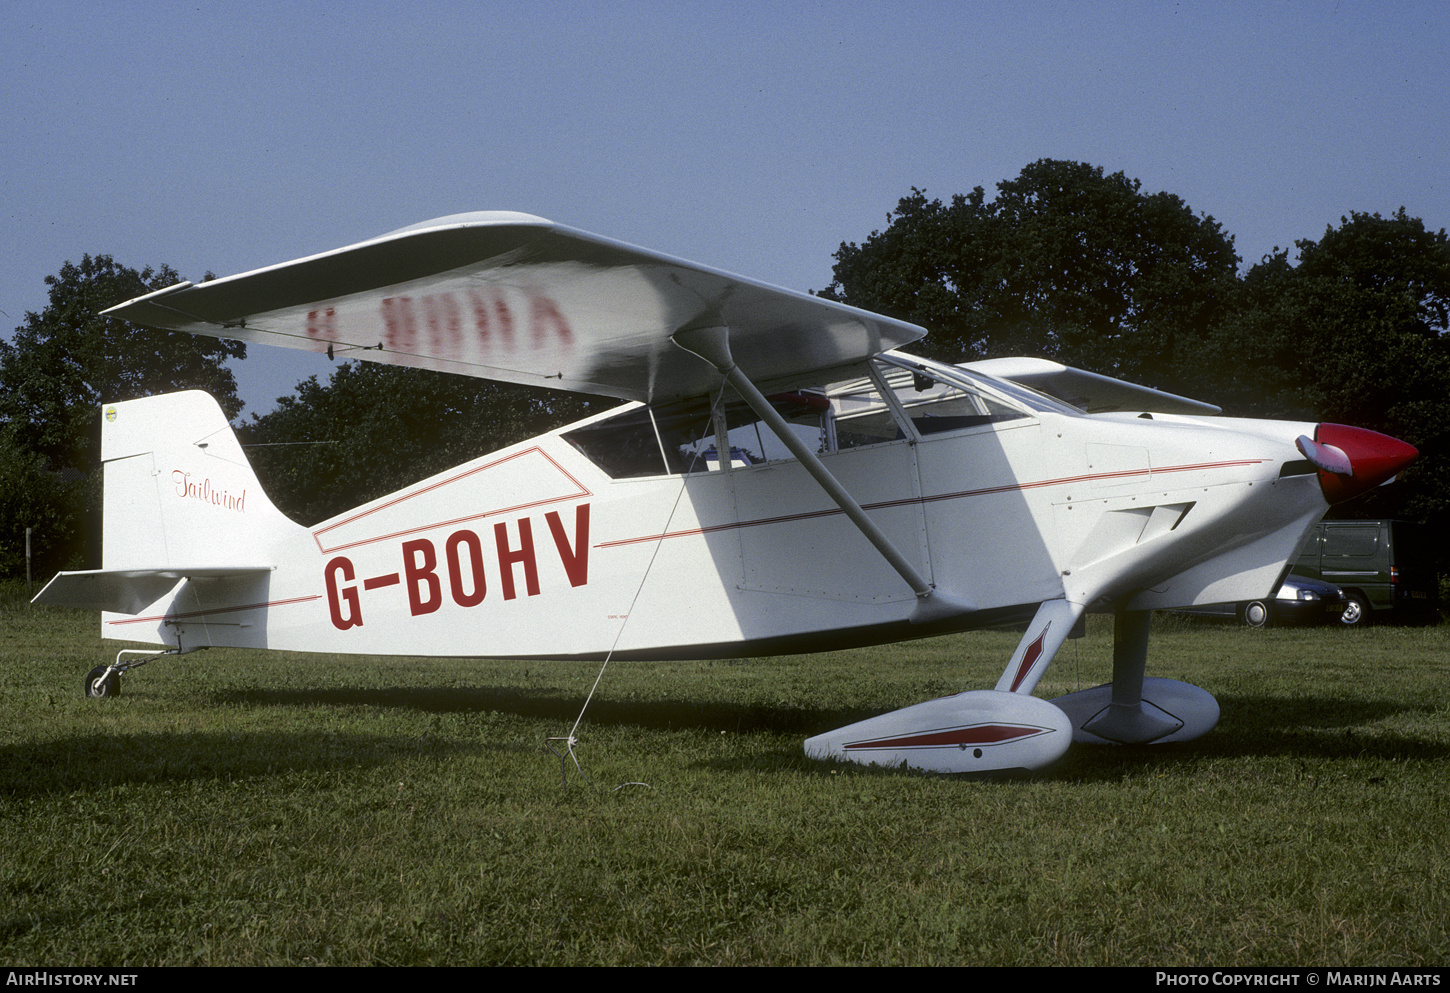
point(62, 364)
point(1359, 333)
point(373, 429)
point(47, 502)
point(1065, 262)
point(1352, 332)
point(68, 360)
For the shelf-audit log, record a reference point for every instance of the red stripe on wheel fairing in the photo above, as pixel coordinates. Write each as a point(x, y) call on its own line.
point(958, 737)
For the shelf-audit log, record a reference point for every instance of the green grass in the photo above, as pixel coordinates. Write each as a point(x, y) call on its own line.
point(236, 808)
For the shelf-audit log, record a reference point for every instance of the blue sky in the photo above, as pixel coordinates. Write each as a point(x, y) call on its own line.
point(753, 137)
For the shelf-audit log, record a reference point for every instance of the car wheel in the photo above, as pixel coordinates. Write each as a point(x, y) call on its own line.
point(1255, 614)
point(1356, 611)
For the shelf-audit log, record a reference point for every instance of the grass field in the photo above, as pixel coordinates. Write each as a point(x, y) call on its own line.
point(236, 808)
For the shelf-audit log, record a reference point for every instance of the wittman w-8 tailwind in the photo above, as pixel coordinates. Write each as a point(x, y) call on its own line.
point(782, 479)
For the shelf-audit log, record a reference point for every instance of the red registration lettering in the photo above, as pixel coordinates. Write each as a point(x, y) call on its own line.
point(467, 542)
point(507, 557)
point(575, 559)
point(339, 597)
point(420, 563)
point(463, 554)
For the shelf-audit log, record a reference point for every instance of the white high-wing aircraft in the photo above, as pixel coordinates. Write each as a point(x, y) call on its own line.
point(784, 479)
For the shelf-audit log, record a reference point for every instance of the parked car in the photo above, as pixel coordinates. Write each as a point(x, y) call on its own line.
point(1300, 600)
point(1386, 569)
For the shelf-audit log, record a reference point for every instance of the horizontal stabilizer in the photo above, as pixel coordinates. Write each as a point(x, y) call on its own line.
point(1094, 393)
point(128, 591)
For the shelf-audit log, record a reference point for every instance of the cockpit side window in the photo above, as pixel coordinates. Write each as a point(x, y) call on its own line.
point(858, 416)
point(920, 400)
point(691, 444)
point(625, 445)
point(682, 438)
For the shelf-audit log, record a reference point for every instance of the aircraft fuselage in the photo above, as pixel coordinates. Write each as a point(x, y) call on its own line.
point(541, 550)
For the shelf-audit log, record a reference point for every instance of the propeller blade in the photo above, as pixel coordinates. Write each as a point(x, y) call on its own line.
point(1324, 457)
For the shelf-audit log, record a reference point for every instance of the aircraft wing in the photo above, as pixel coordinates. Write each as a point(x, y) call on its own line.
point(519, 299)
point(1095, 393)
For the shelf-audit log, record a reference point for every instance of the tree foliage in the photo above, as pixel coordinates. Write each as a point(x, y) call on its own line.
point(1358, 332)
point(1075, 265)
point(66, 361)
point(1065, 262)
point(49, 503)
point(61, 365)
point(1353, 332)
point(373, 429)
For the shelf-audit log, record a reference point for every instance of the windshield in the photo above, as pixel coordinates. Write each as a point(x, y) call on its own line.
point(1003, 388)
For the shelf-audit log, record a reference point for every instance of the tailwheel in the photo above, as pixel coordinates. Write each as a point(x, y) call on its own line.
point(103, 681)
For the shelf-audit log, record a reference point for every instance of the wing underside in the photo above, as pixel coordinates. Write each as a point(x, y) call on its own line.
point(515, 298)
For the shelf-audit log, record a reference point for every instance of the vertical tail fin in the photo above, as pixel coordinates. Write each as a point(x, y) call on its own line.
point(179, 490)
point(180, 501)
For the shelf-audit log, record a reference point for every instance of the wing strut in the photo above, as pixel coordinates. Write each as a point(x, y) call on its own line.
point(713, 345)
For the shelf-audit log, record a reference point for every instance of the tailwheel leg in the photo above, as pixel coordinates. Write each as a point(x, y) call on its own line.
point(105, 680)
point(1135, 709)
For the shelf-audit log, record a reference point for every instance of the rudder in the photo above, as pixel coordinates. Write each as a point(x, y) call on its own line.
point(179, 490)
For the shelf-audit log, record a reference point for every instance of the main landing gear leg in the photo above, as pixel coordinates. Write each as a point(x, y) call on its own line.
point(1135, 709)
